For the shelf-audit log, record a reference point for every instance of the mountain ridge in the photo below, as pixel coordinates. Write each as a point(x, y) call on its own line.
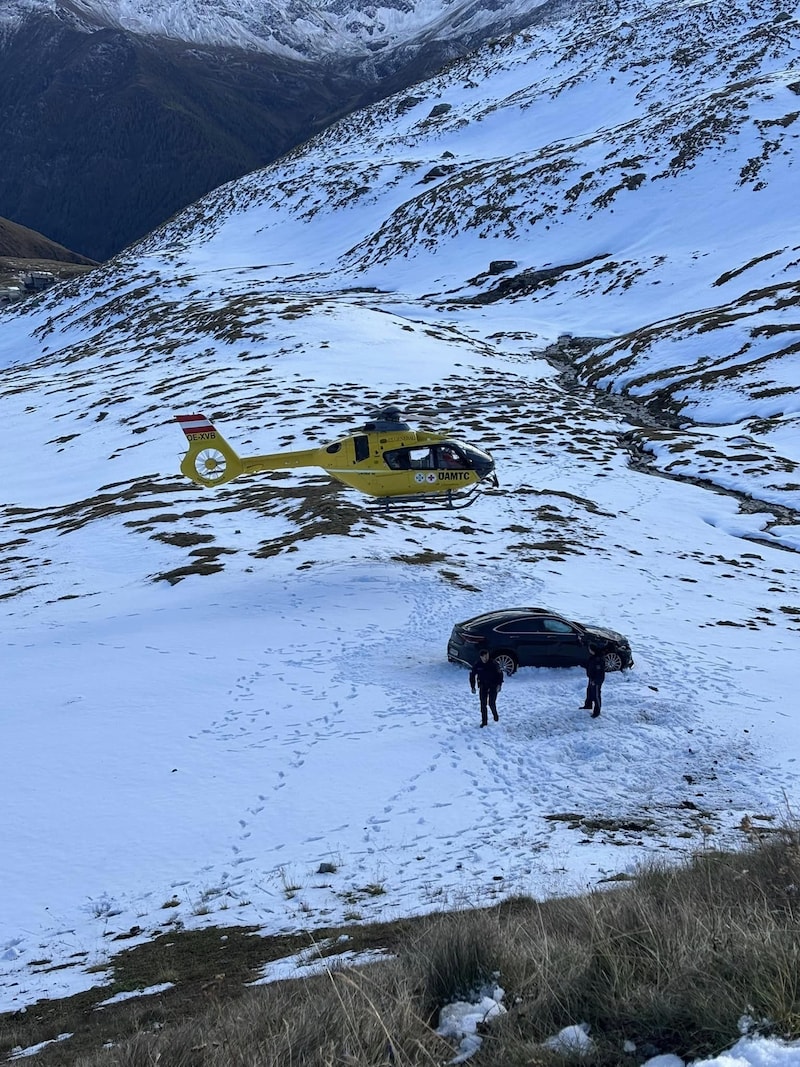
point(616, 218)
point(296, 30)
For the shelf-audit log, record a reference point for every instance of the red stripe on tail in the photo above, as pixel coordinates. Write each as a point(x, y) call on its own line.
point(191, 424)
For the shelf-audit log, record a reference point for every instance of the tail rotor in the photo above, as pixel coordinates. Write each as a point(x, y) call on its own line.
point(210, 460)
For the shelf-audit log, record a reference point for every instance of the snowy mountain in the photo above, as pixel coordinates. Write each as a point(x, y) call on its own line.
point(576, 248)
point(297, 29)
point(118, 114)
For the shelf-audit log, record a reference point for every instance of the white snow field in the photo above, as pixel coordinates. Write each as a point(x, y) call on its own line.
point(208, 694)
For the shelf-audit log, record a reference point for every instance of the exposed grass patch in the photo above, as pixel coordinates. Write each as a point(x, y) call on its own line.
point(375, 889)
point(670, 958)
point(179, 573)
point(423, 556)
point(457, 578)
point(183, 539)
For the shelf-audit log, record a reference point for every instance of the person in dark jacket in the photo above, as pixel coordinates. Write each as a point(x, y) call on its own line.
point(596, 674)
point(489, 678)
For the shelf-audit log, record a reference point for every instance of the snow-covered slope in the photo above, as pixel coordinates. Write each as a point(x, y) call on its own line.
point(631, 171)
point(223, 689)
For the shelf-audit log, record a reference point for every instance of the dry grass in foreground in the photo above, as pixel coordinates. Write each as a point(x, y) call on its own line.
point(668, 962)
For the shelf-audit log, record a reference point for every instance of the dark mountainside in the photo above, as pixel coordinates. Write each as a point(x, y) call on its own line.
point(107, 134)
point(18, 242)
point(23, 250)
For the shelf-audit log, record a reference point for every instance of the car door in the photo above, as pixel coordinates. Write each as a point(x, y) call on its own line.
point(566, 643)
point(527, 639)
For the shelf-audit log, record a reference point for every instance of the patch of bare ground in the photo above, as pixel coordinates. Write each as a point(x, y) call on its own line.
point(317, 508)
point(110, 500)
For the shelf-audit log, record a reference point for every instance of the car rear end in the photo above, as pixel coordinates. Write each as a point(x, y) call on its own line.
point(465, 641)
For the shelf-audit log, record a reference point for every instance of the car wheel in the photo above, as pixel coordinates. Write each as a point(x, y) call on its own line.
point(613, 661)
point(506, 661)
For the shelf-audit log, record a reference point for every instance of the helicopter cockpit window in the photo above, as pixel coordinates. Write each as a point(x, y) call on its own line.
point(450, 458)
point(475, 456)
point(362, 448)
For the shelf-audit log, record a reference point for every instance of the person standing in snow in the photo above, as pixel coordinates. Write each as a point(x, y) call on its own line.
point(596, 674)
point(489, 679)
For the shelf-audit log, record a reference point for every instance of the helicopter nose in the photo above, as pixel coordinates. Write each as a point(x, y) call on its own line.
point(481, 462)
point(485, 467)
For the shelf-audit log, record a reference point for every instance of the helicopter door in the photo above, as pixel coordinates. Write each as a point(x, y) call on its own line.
point(362, 448)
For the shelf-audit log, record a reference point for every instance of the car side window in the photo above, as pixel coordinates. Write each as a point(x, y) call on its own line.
point(557, 626)
point(521, 626)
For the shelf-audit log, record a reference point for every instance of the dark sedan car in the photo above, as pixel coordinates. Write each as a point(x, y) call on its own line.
point(535, 637)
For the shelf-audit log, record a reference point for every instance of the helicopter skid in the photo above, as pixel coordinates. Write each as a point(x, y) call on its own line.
point(452, 500)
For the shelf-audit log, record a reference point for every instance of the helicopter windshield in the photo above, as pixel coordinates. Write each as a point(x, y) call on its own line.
point(475, 458)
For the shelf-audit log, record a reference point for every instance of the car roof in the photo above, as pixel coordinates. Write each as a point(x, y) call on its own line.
point(506, 613)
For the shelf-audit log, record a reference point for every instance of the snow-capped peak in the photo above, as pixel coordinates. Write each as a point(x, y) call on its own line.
point(351, 27)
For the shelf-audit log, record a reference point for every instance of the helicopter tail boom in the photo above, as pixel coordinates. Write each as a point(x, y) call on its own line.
point(212, 461)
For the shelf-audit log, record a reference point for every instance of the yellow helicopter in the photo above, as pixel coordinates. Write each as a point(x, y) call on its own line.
point(385, 459)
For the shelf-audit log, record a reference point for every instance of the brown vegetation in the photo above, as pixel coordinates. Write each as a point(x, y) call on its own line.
point(671, 961)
